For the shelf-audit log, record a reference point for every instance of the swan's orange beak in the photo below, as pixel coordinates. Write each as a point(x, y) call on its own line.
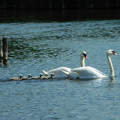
point(115, 53)
point(85, 56)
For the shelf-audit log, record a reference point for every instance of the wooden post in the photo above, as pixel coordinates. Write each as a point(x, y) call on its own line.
point(1, 52)
point(1, 49)
point(5, 50)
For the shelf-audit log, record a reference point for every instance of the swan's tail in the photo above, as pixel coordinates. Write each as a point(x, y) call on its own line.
point(65, 72)
point(46, 73)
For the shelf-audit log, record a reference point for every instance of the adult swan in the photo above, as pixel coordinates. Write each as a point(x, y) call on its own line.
point(63, 72)
point(88, 72)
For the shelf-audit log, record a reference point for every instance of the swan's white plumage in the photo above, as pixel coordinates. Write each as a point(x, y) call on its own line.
point(61, 72)
point(83, 72)
point(90, 72)
point(86, 73)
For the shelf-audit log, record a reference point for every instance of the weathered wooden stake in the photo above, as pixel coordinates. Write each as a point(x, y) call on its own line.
point(5, 50)
point(1, 49)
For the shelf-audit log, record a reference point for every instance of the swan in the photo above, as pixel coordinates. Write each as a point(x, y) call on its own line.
point(88, 72)
point(63, 72)
point(59, 73)
point(83, 57)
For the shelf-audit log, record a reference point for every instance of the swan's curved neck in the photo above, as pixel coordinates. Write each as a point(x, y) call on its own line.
point(110, 65)
point(82, 62)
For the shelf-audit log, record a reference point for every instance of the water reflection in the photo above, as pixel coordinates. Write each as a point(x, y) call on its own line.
point(23, 50)
point(111, 81)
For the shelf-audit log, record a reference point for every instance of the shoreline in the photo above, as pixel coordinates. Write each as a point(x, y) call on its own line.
point(57, 15)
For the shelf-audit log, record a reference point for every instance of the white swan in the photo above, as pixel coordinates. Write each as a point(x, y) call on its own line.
point(63, 72)
point(58, 73)
point(90, 72)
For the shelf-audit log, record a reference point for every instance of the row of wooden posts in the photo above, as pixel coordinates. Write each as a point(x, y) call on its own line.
point(4, 50)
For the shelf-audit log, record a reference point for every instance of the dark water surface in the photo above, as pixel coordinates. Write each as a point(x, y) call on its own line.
point(47, 45)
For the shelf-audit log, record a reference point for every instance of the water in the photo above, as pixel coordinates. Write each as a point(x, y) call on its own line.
point(47, 45)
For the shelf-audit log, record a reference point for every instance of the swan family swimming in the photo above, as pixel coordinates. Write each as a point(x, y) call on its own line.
point(82, 72)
